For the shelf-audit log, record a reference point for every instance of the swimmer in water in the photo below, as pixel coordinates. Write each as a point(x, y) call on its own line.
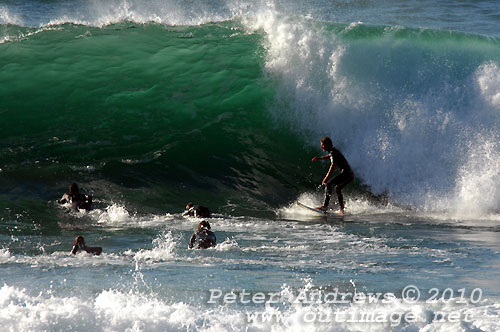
point(76, 199)
point(79, 245)
point(196, 211)
point(203, 238)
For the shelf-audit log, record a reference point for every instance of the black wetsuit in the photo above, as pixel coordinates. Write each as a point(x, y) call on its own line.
point(198, 212)
point(203, 238)
point(91, 250)
point(77, 200)
point(341, 180)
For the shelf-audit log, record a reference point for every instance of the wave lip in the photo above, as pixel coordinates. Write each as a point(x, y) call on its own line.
point(101, 14)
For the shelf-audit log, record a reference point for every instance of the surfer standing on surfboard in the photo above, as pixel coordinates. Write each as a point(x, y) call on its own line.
point(341, 180)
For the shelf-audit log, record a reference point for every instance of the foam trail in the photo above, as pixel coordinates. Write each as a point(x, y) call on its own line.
point(355, 206)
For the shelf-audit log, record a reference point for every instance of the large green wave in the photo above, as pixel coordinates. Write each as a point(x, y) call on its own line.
point(156, 116)
point(153, 115)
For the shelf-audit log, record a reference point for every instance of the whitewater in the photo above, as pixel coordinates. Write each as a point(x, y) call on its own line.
point(148, 105)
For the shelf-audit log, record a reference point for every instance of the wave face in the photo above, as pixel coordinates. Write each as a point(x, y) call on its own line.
point(230, 112)
point(141, 107)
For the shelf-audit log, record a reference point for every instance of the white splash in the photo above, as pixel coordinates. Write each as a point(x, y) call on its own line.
point(421, 147)
point(163, 249)
point(113, 214)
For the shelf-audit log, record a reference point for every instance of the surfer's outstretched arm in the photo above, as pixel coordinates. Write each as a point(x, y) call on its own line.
point(321, 158)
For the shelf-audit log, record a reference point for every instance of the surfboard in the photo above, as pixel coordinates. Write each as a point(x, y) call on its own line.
point(311, 208)
point(325, 213)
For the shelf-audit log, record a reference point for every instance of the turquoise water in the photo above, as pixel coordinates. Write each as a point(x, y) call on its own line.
point(150, 105)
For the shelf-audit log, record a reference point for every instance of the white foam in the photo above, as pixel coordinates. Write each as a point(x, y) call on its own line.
point(26, 35)
point(118, 215)
point(410, 145)
point(163, 249)
point(488, 81)
point(227, 245)
point(7, 17)
point(113, 214)
point(360, 206)
point(99, 14)
point(478, 185)
point(4, 254)
point(355, 206)
point(114, 310)
point(293, 210)
point(65, 259)
point(121, 311)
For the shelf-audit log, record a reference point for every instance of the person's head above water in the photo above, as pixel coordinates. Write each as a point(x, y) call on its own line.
point(73, 188)
point(203, 224)
point(79, 245)
point(326, 143)
point(79, 240)
point(189, 205)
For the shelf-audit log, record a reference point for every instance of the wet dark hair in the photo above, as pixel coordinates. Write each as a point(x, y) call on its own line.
point(189, 205)
point(203, 224)
point(327, 142)
point(79, 239)
point(73, 188)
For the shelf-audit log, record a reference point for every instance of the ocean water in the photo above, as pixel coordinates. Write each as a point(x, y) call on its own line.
point(148, 105)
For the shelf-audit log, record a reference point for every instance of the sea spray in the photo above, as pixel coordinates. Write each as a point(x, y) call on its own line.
point(403, 105)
